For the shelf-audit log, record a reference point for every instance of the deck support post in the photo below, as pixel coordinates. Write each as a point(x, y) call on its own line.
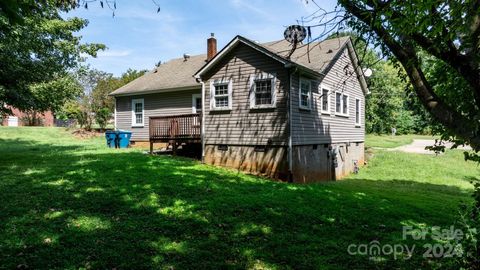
point(174, 148)
point(151, 147)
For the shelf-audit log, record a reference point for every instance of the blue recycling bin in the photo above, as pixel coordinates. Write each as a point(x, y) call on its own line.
point(118, 138)
point(123, 138)
point(111, 136)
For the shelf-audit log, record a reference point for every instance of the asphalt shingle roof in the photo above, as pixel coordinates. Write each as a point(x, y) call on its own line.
point(178, 73)
point(315, 56)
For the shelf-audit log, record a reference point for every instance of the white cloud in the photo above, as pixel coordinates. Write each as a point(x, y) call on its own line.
point(139, 37)
point(242, 4)
point(114, 53)
point(149, 15)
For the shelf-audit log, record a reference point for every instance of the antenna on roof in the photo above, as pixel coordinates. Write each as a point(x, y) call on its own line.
point(186, 56)
point(156, 66)
point(295, 33)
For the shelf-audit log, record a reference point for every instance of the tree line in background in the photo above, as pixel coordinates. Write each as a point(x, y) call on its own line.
point(44, 59)
point(93, 104)
point(38, 48)
point(41, 65)
point(391, 104)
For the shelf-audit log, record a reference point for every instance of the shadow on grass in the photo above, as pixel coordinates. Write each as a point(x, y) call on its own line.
point(72, 206)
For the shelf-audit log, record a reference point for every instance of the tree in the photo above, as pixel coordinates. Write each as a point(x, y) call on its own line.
point(102, 116)
point(390, 103)
point(16, 10)
point(38, 45)
point(85, 108)
point(94, 103)
point(437, 42)
point(384, 105)
point(50, 96)
point(108, 84)
point(447, 31)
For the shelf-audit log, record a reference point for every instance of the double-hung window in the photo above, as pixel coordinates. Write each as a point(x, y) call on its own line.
point(357, 112)
point(325, 100)
point(221, 95)
point(137, 112)
point(341, 104)
point(196, 103)
point(305, 94)
point(262, 91)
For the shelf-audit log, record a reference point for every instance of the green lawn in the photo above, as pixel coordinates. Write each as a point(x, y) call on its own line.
point(388, 141)
point(69, 203)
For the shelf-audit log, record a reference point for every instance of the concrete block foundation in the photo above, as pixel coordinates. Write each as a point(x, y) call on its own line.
point(269, 161)
point(314, 163)
point(311, 163)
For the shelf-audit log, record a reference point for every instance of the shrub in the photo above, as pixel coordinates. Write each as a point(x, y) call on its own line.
point(102, 116)
point(471, 228)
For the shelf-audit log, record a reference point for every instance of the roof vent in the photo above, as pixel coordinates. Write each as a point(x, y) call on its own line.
point(329, 51)
point(186, 56)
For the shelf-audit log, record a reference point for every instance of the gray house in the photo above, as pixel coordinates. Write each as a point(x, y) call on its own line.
point(253, 108)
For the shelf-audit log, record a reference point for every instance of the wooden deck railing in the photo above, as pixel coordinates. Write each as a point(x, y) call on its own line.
point(175, 127)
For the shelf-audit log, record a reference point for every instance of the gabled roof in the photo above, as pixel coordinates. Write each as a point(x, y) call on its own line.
point(179, 74)
point(315, 56)
point(231, 45)
point(175, 74)
point(319, 56)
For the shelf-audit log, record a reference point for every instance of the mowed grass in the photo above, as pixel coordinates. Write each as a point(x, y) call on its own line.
point(389, 141)
point(68, 204)
point(448, 169)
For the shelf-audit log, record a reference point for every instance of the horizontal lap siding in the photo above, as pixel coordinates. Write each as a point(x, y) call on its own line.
point(313, 127)
point(171, 103)
point(242, 125)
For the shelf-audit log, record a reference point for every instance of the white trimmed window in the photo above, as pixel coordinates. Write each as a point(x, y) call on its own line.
point(138, 112)
point(358, 116)
point(221, 95)
point(341, 104)
point(196, 103)
point(325, 99)
point(262, 91)
point(305, 94)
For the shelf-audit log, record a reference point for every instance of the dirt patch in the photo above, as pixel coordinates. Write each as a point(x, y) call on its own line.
point(85, 134)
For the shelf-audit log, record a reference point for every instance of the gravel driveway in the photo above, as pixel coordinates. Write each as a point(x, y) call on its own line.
point(418, 146)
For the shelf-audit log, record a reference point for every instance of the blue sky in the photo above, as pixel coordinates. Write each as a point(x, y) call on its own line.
point(137, 37)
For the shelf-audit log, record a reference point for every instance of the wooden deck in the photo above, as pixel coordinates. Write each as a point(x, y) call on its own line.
point(175, 129)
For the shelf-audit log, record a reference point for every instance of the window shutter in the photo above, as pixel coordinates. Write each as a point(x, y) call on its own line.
point(274, 91)
point(230, 91)
point(212, 96)
point(310, 95)
point(251, 90)
point(299, 90)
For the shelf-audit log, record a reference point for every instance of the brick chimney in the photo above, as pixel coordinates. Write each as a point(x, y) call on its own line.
point(211, 47)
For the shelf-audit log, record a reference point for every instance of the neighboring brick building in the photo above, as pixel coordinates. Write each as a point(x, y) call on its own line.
point(18, 118)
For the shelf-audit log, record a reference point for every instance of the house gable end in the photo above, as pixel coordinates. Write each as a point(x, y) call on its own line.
point(240, 123)
point(353, 57)
point(238, 40)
